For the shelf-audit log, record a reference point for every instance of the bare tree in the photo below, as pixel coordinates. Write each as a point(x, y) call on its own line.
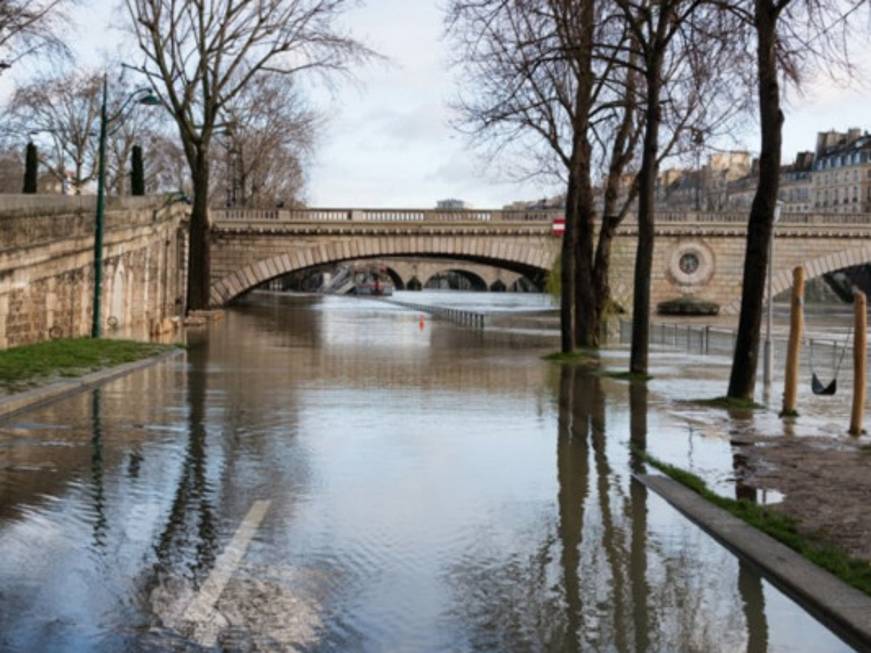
point(270, 134)
point(138, 127)
point(11, 171)
point(528, 65)
point(790, 37)
point(28, 26)
point(199, 56)
point(62, 113)
point(679, 46)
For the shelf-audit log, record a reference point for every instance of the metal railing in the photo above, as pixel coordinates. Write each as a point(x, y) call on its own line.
point(705, 340)
point(380, 215)
point(512, 215)
point(455, 315)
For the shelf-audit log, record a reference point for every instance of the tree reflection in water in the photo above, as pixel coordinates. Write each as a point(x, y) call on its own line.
point(189, 537)
point(100, 526)
point(597, 578)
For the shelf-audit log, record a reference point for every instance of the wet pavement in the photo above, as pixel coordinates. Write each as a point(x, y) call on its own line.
point(326, 474)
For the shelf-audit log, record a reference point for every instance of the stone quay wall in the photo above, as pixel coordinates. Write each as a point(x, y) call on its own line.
point(47, 266)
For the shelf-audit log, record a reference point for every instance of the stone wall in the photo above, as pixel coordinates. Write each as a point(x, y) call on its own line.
point(47, 273)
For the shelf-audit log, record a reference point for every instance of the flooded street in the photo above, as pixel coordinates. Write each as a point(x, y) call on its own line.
point(333, 474)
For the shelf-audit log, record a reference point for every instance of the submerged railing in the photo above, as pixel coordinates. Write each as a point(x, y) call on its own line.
point(456, 315)
point(706, 339)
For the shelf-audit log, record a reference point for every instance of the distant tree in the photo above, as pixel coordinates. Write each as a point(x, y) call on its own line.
point(137, 172)
point(269, 135)
point(11, 171)
point(31, 169)
point(30, 26)
point(200, 56)
point(137, 126)
point(62, 112)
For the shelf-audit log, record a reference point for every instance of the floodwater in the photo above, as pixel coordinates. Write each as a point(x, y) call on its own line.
point(329, 474)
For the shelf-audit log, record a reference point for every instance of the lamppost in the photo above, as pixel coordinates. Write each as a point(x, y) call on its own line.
point(769, 349)
point(140, 96)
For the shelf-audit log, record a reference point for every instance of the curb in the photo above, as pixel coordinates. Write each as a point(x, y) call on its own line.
point(841, 608)
point(22, 401)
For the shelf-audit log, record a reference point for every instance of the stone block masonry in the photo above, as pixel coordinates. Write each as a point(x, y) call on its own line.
point(698, 255)
point(47, 266)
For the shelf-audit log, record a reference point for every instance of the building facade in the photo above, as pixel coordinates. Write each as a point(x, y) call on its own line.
point(842, 172)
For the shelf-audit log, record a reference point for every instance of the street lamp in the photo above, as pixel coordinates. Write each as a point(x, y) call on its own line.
point(139, 96)
point(769, 349)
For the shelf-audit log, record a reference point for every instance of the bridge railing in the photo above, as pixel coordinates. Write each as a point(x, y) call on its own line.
point(381, 215)
point(543, 216)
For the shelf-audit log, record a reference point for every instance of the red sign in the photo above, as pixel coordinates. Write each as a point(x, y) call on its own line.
point(559, 226)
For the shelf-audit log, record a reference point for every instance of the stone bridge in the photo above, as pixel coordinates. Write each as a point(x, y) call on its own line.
point(698, 254)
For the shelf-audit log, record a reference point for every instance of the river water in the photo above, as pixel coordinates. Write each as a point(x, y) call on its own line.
point(334, 474)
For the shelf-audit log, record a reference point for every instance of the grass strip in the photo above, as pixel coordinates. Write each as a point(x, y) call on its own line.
point(782, 528)
point(727, 403)
point(26, 366)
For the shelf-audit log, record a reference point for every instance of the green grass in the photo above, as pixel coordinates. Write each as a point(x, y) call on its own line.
point(21, 367)
point(571, 358)
point(783, 528)
point(727, 403)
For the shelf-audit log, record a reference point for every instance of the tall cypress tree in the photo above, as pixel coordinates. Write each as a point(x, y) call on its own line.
point(30, 169)
point(137, 172)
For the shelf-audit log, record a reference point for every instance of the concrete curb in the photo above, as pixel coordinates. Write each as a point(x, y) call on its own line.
point(840, 607)
point(22, 401)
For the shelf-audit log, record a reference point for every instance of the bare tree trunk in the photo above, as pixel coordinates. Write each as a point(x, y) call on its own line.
point(610, 217)
point(199, 263)
point(567, 271)
point(646, 209)
point(601, 270)
point(759, 229)
point(586, 325)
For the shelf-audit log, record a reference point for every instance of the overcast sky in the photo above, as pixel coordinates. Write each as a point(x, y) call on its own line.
point(387, 140)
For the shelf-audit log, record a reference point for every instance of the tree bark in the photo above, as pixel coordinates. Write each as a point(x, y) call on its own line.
point(742, 380)
point(646, 209)
point(199, 259)
point(567, 271)
point(601, 270)
point(586, 325)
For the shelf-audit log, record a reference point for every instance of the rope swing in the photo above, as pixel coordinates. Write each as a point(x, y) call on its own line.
point(817, 386)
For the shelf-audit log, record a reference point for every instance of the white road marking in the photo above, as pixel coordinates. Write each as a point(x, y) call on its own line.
point(201, 610)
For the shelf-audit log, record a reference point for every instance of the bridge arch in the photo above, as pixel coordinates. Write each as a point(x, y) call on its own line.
point(476, 281)
point(781, 280)
point(523, 258)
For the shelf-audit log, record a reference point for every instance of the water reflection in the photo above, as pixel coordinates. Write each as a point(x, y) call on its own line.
point(189, 535)
point(638, 408)
point(448, 493)
point(575, 400)
point(100, 525)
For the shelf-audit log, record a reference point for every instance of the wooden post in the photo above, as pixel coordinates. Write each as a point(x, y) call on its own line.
point(860, 351)
point(796, 325)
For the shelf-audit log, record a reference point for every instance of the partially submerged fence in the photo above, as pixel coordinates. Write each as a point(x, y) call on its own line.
point(705, 339)
point(455, 315)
